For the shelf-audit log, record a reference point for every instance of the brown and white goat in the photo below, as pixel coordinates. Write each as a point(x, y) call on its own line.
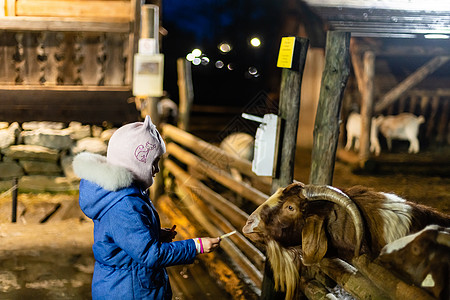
point(322, 220)
point(423, 259)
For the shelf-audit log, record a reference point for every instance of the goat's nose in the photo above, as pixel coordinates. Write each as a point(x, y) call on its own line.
point(250, 225)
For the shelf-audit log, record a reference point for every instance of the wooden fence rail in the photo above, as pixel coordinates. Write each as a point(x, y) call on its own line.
point(192, 171)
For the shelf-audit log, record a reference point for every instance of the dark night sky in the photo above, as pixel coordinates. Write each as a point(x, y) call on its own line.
point(204, 24)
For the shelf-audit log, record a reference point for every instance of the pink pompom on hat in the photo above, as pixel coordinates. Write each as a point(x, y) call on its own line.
point(135, 146)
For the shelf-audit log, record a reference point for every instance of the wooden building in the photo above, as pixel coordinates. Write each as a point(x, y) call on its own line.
point(67, 60)
point(410, 43)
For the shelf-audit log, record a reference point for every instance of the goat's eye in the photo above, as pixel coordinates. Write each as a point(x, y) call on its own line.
point(290, 208)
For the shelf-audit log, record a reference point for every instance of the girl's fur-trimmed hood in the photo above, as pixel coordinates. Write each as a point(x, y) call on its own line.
point(95, 168)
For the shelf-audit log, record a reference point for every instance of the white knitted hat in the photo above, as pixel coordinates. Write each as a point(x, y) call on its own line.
point(135, 146)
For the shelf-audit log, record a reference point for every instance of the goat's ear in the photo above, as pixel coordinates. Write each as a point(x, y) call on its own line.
point(314, 240)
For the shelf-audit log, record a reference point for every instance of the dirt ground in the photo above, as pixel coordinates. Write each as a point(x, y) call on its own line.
point(422, 188)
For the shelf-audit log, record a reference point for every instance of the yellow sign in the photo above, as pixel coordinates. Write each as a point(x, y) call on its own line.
point(286, 52)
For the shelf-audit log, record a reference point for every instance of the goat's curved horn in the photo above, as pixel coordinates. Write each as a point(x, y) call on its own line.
point(443, 238)
point(332, 194)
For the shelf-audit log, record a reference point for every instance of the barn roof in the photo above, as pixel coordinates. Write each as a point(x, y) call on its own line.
point(385, 18)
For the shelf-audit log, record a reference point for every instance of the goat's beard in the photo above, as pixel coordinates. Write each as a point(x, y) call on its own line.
point(285, 264)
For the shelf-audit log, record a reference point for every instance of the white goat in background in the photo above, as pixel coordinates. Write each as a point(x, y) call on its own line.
point(239, 144)
point(404, 126)
point(353, 127)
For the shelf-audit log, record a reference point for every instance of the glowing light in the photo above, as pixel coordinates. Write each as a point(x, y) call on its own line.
point(197, 52)
point(225, 47)
point(230, 67)
point(196, 61)
point(190, 57)
point(255, 42)
point(436, 36)
point(253, 71)
point(219, 64)
point(205, 60)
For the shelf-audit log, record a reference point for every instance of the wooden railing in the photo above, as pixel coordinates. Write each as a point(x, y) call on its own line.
point(193, 170)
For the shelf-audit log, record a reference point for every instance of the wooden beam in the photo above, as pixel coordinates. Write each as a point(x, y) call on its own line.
point(289, 109)
point(10, 7)
point(430, 93)
point(202, 214)
point(60, 8)
point(219, 270)
point(410, 81)
point(326, 129)
point(387, 282)
point(65, 24)
point(224, 178)
point(358, 68)
point(207, 151)
point(133, 39)
point(234, 214)
point(367, 107)
point(351, 280)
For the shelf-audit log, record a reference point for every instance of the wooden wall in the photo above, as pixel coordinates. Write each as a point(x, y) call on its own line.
point(67, 60)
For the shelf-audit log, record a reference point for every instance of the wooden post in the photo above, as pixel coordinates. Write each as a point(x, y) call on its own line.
point(326, 129)
point(14, 200)
point(135, 19)
point(366, 107)
point(289, 110)
point(186, 91)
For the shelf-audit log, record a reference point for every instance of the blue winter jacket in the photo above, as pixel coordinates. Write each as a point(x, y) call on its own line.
point(130, 259)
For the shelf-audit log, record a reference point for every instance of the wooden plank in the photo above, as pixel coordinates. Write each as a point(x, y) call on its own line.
point(234, 214)
point(357, 63)
point(229, 216)
point(351, 280)
point(65, 24)
point(440, 138)
point(65, 88)
point(326, 129)
point(2, 8)
point(91, 107)
point(432, 117)
point(10, 8)
point(217, 174)
point(31, 65)
point(202, 216)
point(412, 80)
point(413, 103)
point(133, 39)
point(58, 8)
point(218, 268)
point(207, 151)
point(387, 282)
point(430, 93)
point(115, 46)
point(424, 101)
point(7, 65)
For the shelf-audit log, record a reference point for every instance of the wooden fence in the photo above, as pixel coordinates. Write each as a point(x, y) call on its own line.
point(197, 175)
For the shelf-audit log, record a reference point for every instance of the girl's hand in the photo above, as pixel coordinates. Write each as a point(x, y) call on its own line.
point(210, 244)
point(166, 235)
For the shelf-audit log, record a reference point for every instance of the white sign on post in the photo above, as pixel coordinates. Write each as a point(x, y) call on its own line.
point(148, 75)
point(265, 142)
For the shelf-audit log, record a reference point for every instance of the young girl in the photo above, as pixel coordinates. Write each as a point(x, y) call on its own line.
point(131, 250)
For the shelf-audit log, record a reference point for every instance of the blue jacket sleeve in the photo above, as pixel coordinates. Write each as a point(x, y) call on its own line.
point(135, 230)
